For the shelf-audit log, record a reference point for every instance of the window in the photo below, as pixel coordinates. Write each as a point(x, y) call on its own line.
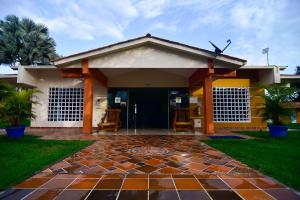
point(231, 104)
point(65, 104)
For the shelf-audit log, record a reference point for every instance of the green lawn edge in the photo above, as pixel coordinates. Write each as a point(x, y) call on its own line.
point(275, 157)
point(20, 159)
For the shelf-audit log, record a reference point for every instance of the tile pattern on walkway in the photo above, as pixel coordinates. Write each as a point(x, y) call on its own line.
point(149, 167)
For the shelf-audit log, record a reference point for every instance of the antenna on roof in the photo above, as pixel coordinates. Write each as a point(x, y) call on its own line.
point(218, 51)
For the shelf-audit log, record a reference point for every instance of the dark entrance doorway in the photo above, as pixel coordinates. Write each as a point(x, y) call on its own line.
point(148, 108)
point(144, 108)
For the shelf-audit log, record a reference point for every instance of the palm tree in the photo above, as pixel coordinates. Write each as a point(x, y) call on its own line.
point(9, 40)
point(25, 42)
point(16, 104)
point(277, 106)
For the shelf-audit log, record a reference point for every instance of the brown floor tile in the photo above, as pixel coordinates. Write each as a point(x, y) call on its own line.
point(193, 195)
point(134, 160)
point(265, 183)
point(133, 194)
point(97, 176)
point(107, 164)
point(169, 170)
point(135, 184)
point(160, 176)
point(43, 194)
point(213, 184)
point(146, 168)
point(238, 183)
point(57, 183)
point(283, 194)
point(33, 183)
point(113, 176)
point(177, 158)
point(153, 162)
point(137, 176)
point(109, 184)
point(161, 184)
point(126, 166)
point(223, 195)
point(66, 176)
point(196, 166)
point(254, 195)
point(219, 168)
point(103, 194)
point(202, 176)
point(230, 176)
point(187, 184)
point(163, 195)
point(13, 194)
point(83, 184)
point(73, 195)
point(183, 176)
point(214, 153)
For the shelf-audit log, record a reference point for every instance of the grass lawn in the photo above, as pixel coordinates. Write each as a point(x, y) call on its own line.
point(275, 157)
point(20, 159)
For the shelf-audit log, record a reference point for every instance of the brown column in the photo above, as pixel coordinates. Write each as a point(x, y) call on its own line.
point(88, 99)
point(208, 101)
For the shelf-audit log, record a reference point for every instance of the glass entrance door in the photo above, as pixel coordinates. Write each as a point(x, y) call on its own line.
point(147, 107)
point(118, 98)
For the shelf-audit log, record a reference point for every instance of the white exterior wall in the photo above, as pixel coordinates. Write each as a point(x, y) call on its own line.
point(27, 77)
point(148, 78)
point(45, 80)
point(147, 57)
point(269, 76)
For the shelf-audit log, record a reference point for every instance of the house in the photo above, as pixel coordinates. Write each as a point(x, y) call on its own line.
point(147, 77)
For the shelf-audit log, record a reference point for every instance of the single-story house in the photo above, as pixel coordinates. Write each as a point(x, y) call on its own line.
point(147, 77)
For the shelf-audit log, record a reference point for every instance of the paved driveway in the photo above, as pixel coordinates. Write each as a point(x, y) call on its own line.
point(149, 167)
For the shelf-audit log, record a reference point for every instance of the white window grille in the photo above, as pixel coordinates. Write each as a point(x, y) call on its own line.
point(231, 104)
point(65, 104)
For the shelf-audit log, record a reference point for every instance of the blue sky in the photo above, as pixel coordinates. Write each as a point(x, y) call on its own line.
point(251, 25)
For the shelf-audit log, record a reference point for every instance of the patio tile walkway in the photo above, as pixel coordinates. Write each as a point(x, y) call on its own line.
point(148, 167)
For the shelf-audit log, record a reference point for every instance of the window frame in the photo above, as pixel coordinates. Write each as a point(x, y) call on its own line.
point(236, 96)
point(65, 104)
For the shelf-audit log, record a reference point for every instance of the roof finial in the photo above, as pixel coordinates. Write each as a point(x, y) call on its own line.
point(148, 35)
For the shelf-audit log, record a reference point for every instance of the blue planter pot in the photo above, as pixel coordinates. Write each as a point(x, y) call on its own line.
point(15, 132)
point(278, 130)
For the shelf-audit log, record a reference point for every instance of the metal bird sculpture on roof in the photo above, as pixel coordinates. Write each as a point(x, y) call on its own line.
point(218, 51)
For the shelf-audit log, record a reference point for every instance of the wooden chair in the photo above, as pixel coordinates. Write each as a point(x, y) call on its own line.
point(181, 120)
point(111, 120)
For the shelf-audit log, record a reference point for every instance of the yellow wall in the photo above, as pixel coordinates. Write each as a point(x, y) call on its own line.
point(255, 102)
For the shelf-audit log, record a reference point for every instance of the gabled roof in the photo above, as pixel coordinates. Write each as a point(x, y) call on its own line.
point(148, 39)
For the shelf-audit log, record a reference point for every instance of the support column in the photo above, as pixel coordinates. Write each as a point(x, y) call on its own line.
point(88, 99)
point(208, 100)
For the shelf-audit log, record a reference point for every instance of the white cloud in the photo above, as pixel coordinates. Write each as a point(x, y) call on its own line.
point(151, 9)
point(168, 27)
point(85, 20)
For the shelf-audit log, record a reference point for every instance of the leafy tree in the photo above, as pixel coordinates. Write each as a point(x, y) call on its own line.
point(25, 42)
point(296, 83)
point(277, 102)
point(16, 104)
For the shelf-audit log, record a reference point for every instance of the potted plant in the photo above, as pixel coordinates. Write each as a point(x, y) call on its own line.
point(15, 108)
point(276, 110)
